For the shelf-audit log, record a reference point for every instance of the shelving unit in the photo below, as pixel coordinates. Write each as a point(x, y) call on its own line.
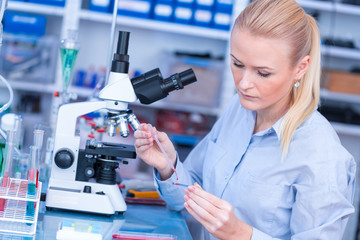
point(191, 31)
point(340, 97)
point(156, 25)
point(32, 86)
point(352, 54)
point(36, 8)
point(330, 7)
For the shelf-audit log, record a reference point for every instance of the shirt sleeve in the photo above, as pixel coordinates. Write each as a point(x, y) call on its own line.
point(321, 212)
point(189, 172)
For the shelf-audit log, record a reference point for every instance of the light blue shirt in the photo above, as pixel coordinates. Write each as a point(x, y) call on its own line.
point(308, 195)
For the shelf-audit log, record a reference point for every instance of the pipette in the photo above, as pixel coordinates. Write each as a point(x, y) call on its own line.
point(154, 135)
point(177, 184)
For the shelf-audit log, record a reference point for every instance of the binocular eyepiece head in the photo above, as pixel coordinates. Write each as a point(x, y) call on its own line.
point(151, 86)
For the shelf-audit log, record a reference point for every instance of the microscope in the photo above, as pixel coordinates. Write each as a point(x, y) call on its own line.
point(84, 179)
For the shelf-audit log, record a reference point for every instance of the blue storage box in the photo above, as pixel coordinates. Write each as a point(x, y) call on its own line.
point(169, 2)
point(21, 23)
point(163, 12)
point(135, 8)
point(100, 5)
point(224, 6)
point(205, 4)
point(50, 2)
point(222, 20)
point(203, 17)
point(185, 3)
point(183, 15)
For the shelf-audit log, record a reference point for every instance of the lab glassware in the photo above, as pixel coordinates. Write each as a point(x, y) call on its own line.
point(7, 165)
point(32, 180)
point(69, 49)
point(154, 135)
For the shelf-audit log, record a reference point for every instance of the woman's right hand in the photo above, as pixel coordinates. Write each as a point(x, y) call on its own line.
point(149, 151)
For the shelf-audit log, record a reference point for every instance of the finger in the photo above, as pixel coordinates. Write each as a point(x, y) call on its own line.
point(143, 148)
point(217, 202)
point(198, 212)
point(162, 136)
point(204, 203)
point(141, 134)
point(141, 142)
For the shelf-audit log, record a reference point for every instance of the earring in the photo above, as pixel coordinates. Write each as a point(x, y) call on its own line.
point(297, 84)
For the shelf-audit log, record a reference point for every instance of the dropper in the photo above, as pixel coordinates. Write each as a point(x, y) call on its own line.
point(155, 136)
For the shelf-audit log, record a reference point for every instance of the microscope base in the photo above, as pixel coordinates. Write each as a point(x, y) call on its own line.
point(103, 199)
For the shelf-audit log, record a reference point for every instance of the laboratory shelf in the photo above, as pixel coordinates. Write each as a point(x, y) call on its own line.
point(346, 129)
point(156, 25)
point(31, 86)
point(35, 8)
point(80, 91)
point(330, 7)
point(340, 52)
point(340, 97)
point(162, 104)
point(317, 5)
point(348, 9)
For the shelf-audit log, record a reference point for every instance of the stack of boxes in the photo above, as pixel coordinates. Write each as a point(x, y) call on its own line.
point(204, 13)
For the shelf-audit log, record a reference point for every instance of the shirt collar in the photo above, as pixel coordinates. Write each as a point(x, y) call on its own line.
point(275, 127)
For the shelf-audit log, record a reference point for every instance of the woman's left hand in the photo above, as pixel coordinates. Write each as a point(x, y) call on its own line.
point(215, 214)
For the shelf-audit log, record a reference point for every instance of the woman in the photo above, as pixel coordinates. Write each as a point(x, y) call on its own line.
point(272, 167)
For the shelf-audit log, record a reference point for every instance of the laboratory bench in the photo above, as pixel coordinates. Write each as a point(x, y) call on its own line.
point(137, 219)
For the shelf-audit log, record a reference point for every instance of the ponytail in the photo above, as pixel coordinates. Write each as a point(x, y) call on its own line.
point(306, 96)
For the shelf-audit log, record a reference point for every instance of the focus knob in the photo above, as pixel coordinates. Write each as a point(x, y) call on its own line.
point(64, 159)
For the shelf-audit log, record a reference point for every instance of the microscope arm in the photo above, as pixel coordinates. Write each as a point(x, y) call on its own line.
point(68, 114)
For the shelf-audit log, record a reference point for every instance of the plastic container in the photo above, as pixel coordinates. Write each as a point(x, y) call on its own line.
point(224, 6)
point(206, 91)
point(183, 15)
point(21, 23)
point(100, 5)
point(203, 17)
point(163, 12)
point(185, 3)
point(60, 3)
point(135, 8)
point(222, 20)
point(28, 58)
point(205, 4)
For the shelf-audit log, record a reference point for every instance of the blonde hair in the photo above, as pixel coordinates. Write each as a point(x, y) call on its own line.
point(286, 20)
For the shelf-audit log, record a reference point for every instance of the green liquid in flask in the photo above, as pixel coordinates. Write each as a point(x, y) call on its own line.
point(68, 59)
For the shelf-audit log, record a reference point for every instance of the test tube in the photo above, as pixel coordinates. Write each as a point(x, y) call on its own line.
point(38, 142)
point(7, 165)
point(32, 177)
point(38, 138)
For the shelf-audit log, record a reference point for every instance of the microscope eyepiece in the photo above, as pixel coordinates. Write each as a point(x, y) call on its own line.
point(120, 61)
point(150, 86)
